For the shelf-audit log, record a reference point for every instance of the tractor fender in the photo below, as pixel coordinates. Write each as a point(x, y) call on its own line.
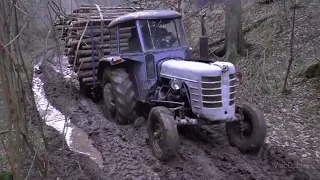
point(108, 61)
point(112, 60)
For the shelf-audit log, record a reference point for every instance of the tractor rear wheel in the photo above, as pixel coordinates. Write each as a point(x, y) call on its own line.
point(163, 133)
point(248, 135)
point(118, 95)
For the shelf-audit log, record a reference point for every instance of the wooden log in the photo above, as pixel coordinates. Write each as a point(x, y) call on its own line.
point(105, 39)
point(83, 27)
point(88, 80)
point(109, 8)
point(91, 84)
point(97, 33)
point(105, 46)
point(95, 22)
point(104, 14)
point(83, 59)
point(86, 74)
point(99, 30)
point(87, 41)
point(86, 66)
point(86, 53)
point(96, 12)
point(95, 27)
point(76, 35)
point(124, 49)
point(106, 7)
point(114, 41)
point(87, 59)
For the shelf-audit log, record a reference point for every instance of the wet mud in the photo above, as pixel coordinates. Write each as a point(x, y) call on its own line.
point(204, 151)
point(77, 140)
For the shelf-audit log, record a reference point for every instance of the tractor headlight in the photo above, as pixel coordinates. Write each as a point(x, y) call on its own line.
point(175, 84)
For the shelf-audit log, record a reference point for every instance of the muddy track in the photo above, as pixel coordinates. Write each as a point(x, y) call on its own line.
point(204, 151)
point(63, 163)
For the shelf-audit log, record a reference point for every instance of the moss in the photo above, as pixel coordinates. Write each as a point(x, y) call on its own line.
point(6, 175)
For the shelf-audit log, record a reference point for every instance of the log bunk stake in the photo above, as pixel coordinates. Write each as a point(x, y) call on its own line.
point(96, 41)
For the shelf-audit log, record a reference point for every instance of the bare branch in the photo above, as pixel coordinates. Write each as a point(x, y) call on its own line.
point(291, 51)
point(25, 25)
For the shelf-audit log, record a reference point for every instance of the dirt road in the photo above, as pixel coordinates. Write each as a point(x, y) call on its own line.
point(204, 151)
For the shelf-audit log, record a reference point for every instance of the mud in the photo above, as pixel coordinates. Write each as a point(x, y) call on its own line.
point(204, 151)
point(64, 164)
point(76, 139)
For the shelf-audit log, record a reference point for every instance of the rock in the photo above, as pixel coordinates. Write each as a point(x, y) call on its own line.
point(317, 154)
point(83, 108)
point(310, 70)
point(292, 153)
point(139, 122)
point(38, 71)
point(304, 155)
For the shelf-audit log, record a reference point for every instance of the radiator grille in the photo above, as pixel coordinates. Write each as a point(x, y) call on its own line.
point(232, 89)
point(211, 91)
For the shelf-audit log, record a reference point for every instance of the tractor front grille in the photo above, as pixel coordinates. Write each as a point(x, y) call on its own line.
point(232, 89)
point(211, 91)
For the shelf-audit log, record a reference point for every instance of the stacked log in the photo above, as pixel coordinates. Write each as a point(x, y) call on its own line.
point(85, 28)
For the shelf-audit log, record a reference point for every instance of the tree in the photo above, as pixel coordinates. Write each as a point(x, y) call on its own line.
point(234, 39)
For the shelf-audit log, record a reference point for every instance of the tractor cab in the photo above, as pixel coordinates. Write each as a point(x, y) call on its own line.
point(157, 32)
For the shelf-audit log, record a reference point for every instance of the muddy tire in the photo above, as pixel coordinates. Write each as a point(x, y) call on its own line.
point(118, 95)
point(163, 133)
point(254, 130)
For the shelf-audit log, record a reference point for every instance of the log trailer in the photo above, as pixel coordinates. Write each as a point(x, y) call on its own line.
point(139, 59)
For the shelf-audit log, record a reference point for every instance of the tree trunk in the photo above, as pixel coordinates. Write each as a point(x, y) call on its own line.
point(234, 43)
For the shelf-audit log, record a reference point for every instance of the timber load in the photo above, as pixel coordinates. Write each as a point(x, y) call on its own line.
point(87, 37)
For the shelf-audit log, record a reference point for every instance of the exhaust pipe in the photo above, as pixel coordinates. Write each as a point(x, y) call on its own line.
point(203, 41)
point(204, 47)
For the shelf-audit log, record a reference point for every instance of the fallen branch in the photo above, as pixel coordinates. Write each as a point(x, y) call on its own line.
point(245, 30)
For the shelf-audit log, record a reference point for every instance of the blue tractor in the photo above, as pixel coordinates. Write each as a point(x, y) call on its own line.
point(151, 72)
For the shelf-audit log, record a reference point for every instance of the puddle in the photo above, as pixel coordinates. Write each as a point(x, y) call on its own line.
point(76, 138)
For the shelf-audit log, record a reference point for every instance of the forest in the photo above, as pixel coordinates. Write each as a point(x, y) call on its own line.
point(50, 130)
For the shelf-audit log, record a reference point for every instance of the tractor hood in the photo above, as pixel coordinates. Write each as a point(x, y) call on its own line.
point(191, 70)
point(211, 86)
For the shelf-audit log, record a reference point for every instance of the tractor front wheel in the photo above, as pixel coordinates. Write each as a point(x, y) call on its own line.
point(249, 134)
point(163, 133)
point(118, 95)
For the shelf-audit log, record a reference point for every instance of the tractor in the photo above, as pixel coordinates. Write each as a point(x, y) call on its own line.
point(151, 72)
